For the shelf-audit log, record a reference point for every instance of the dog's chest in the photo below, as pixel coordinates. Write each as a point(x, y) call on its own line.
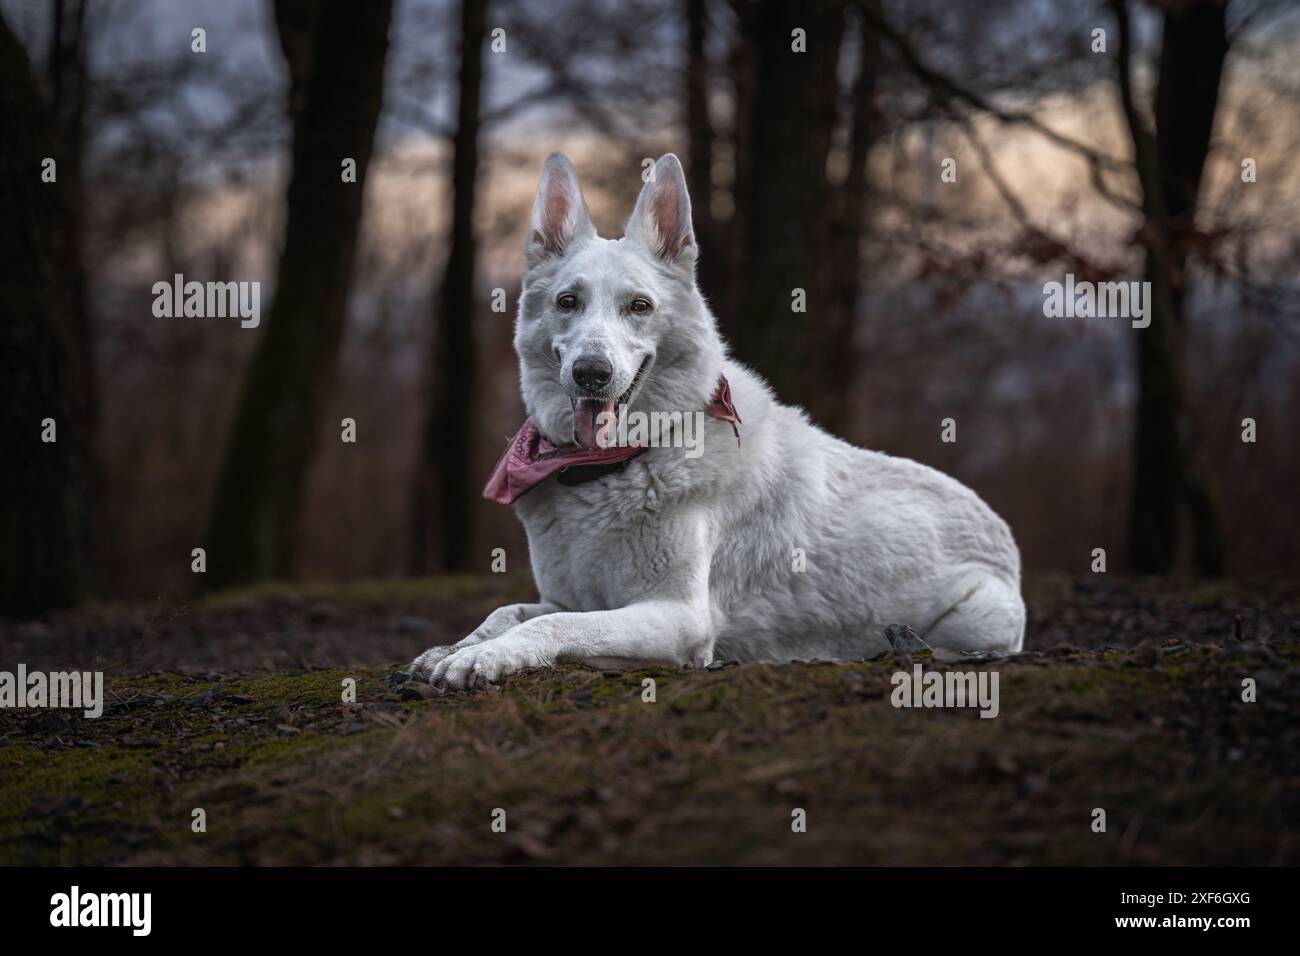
point(598, 545)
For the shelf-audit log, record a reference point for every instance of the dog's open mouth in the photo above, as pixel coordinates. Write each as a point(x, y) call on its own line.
point(589, 429)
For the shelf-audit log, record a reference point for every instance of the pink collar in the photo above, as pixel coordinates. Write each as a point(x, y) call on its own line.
point(530, 459)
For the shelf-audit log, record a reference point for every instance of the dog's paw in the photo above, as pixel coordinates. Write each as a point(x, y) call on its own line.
point(423, 665)
point(486, 663)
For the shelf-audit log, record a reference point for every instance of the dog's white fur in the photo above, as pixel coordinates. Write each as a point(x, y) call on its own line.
point(676, 560)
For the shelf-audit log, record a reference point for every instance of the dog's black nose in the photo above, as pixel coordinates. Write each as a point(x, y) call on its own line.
point(592, 374)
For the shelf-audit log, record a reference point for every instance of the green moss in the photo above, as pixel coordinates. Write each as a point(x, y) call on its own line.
point(588, 772)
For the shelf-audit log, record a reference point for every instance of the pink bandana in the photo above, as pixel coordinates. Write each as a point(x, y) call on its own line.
point(531, 459)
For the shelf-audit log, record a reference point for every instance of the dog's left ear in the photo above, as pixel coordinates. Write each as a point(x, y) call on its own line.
point(661, 220)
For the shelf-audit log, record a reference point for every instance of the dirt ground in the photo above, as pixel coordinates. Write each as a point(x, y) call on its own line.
point(1127, 699)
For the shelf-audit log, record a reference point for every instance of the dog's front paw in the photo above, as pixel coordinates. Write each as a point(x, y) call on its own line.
point(485, 663)
point(423, 665)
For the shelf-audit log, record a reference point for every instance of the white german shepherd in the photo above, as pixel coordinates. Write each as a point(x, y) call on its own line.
point(788, 543)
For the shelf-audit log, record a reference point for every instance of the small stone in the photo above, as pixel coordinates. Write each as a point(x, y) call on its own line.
point(286, 730)
point(611, 673)
point(205, 699)
point(904, 640)
point(715, 666)
point(417, 690)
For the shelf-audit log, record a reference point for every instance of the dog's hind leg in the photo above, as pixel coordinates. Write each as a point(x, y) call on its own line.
point(988, 615)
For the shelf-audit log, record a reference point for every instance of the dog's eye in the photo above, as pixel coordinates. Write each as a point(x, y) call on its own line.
point(641, 306)
point(567, 302)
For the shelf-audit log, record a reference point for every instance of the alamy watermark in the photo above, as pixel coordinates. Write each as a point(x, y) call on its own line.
point(208, 300)
point(75, 908)
point(651, 430)
point(946, 689)
point(74, 690)
point(1098, 300)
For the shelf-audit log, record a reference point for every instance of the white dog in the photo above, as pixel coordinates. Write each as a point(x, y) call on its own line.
point(783, 543)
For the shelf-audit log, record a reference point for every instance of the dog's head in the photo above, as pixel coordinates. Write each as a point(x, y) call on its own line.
point(605, 323)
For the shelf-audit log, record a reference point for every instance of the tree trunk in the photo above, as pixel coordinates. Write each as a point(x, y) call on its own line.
point(743, 74)
point(788, 196)
point(446, 460)
point(69, 94)
point(44, 485)
point(714, 267)
point(68, 89)
point(336, 54)
point(1168, 481)
point(835, 360)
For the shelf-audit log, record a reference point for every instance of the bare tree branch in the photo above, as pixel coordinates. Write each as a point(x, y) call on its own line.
point(954, 91)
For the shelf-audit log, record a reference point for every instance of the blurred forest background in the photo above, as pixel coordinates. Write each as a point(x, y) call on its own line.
point(820, 169)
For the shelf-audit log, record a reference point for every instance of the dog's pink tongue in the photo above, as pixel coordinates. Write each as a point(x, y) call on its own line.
point(589, 427)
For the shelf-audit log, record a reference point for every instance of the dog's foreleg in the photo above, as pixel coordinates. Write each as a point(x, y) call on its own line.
point(499, 622)
point(649, 632)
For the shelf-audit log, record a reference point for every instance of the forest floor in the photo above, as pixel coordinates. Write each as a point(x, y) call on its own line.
point(1128, 699)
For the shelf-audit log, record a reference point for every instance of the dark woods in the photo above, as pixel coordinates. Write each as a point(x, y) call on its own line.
point(880, 192)
point(335, 55)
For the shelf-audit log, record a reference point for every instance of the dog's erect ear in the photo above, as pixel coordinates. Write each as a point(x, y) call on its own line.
point(560, 215)
point(661, 220)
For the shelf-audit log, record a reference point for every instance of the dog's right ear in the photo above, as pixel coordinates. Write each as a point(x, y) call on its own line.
point(560, 217)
